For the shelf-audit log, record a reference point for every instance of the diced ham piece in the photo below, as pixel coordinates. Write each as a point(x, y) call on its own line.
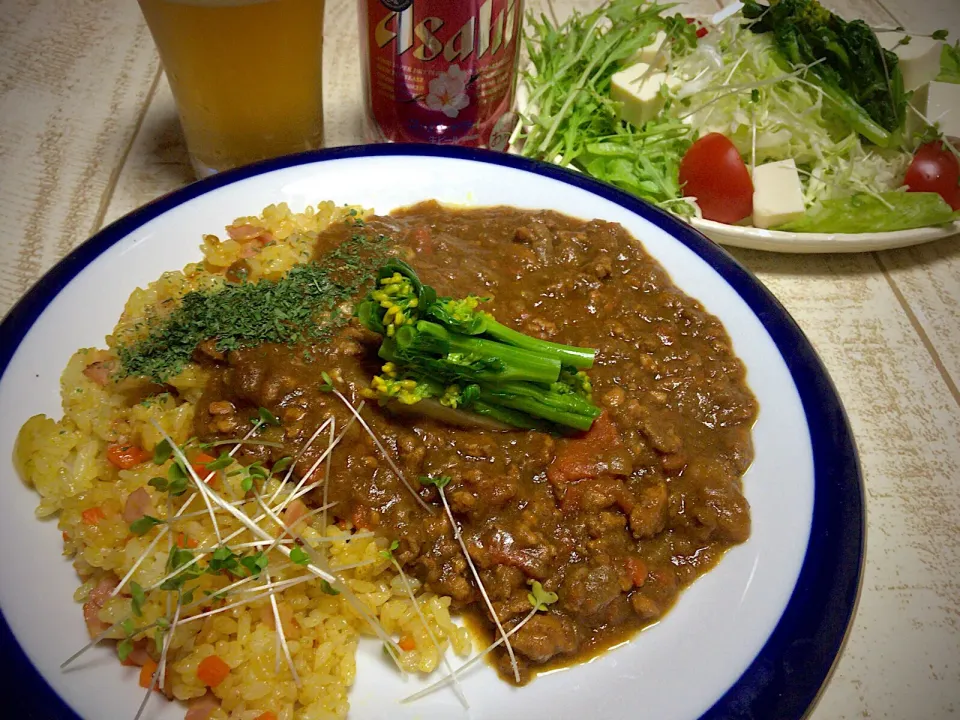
point(291, 629)
point(249, 233)
point(138, 505)
point(295, 510)
point(139, 655)
point(202, 708)
point(99, 372)
point(244, 233)
point(94, 604)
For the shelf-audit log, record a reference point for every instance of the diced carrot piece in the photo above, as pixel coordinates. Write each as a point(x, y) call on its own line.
point(146, 673)
point(202, 458)
point(637, 569)
point(126, 456)
point(91, 516)
point(199, 463)
point(212, 670)
point(267, 716)
point(65, 536)
point(407, 643)
point(360, 518)
point(185, 542)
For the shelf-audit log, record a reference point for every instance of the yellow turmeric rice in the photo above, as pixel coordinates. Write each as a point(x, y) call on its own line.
point(147, 557)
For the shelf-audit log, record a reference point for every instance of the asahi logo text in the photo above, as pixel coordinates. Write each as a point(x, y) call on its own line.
point(482, 34)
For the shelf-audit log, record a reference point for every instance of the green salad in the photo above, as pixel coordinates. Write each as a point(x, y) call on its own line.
point(781, 116)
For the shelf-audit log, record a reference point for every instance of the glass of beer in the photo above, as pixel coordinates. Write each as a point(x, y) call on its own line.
point(246, 76)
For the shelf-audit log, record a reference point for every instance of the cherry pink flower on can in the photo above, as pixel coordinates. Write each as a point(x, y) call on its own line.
point(448, 92)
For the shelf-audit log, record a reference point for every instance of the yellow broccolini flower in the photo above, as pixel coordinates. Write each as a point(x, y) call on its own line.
point(396, 295)
point(408, 392)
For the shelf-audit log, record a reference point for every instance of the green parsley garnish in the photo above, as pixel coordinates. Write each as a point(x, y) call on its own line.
point(298, 556)
point(297, 308)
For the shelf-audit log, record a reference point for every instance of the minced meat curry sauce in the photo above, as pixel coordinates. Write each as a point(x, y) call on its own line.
point(616, 521)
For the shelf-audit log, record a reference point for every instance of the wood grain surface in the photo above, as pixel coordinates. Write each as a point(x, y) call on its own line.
point(74, 79)
point(88, 132)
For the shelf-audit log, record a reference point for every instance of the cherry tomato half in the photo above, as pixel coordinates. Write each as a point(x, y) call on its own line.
point(935, 169)
point(713, 173)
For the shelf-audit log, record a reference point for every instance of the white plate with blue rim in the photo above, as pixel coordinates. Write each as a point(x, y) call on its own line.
point(755, 637)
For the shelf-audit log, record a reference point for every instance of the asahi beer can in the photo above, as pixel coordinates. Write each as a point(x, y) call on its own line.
point(441, 71)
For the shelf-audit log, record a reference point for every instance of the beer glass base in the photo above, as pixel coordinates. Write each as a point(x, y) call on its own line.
point(200, 170)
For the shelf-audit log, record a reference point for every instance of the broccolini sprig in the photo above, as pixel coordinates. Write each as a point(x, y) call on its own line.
point(448, 351)
point(845, 60)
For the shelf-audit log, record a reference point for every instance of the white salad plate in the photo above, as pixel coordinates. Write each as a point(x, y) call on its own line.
point(755, 637)
point(791, 242)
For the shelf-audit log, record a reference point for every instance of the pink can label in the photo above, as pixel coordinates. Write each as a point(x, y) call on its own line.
point(442, 71)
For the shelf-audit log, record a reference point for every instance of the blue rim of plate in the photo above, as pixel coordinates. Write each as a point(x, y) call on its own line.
point(786, 677)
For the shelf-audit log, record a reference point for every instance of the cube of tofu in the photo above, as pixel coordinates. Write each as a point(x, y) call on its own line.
point(777, 193)
point(651, 54)
point(919, 59)
point(638, 89)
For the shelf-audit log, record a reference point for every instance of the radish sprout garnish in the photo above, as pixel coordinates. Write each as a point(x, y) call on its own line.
point(388, 554)
point(383, 451)
point(281, 638)
point(538, 598)
point(440, 482)
point(162, 666)
point(247, 561)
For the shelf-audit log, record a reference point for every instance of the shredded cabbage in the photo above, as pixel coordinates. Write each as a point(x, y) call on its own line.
point(771, 115)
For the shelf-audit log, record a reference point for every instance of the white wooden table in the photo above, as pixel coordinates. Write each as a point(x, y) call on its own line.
point(88, 132)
